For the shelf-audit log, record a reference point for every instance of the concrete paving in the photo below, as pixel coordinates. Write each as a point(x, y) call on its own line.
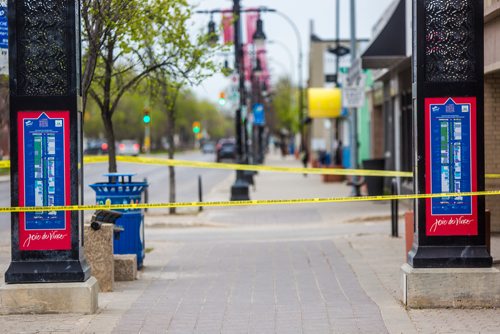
point(278, 269)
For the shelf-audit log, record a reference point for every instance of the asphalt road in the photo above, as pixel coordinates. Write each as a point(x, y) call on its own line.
point(186, 179)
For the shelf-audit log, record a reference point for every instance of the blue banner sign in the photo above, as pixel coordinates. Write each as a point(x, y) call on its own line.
point(4, 31)
point(259, 117)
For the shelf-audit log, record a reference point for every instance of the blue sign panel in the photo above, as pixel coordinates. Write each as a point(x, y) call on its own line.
point(4, 31)
point(259, 117)
point(451, 165)
point(44, 171)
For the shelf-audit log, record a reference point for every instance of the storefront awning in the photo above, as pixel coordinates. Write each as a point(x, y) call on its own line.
point(389, 45)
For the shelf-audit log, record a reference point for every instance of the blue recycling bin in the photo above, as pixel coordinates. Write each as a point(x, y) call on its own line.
point(121, 190)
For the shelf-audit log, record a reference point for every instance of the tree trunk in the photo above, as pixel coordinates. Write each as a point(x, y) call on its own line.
point(170, 108)
point(171, 169)
point(106, 111)
point(110, 138)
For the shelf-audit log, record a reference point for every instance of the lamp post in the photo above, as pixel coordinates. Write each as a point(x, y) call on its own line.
point(354, 111)
point(257, 109)
point(239, 189)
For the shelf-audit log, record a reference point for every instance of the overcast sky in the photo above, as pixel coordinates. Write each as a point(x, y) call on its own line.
point(322, 12)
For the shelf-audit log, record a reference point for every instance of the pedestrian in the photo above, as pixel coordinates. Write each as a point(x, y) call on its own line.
point(338, 154)
point(305, 158)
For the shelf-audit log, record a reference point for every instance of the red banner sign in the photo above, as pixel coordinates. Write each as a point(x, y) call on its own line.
point(44, 179)
point(228, 28)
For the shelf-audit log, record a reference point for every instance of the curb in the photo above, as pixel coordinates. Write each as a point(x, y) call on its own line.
point(4, 178)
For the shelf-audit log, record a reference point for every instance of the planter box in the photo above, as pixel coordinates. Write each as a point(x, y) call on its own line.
point(333, 178)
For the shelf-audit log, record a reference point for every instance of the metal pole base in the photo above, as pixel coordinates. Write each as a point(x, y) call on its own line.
point(248, 177)
point(239, 189)
point(47, 272)
point(449, 257)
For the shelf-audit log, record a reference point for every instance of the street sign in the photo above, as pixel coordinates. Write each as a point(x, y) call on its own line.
point(353, 97)
point(259, 117)
point(4, 39)
point(331, 78)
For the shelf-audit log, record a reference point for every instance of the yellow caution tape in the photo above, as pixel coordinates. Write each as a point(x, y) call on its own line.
point(214, 165)
point(294, 170)
point(245, 203)
point(228, 166)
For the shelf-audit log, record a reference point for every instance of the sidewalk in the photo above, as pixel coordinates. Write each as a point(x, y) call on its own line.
point(311, 268)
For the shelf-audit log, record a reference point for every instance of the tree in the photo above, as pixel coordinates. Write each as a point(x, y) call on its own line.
point(119, 37)
point(190, 63)
point(285, 106)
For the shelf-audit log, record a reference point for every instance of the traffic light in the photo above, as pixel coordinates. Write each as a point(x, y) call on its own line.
point(146, 118)
point(196, 127)
point(222, 98)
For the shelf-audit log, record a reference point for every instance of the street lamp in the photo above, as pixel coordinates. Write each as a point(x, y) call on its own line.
point(257, 70)
point(239, 189)
point(212, 32)
point(259, 37)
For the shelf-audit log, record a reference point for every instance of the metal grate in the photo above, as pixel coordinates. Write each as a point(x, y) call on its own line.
point(43, 55)
point(450, 53)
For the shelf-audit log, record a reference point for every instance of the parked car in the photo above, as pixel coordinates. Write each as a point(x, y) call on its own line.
point(208, 147)
point(96, 147)
point(128, 147)
point(226, 150)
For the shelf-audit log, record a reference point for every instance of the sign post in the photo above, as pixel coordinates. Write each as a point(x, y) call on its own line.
point(449, 134)
point(46, 133)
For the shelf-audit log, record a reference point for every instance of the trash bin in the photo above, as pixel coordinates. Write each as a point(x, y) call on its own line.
point(121, 190)
point(375, 184)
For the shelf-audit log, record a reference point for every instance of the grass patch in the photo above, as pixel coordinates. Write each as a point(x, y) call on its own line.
point(149, 250)
point(4, 171)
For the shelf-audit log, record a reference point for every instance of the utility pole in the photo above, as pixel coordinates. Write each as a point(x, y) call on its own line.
point(354, 111)
point(239, 190)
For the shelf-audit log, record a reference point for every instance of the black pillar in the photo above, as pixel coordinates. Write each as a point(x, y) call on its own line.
point(448, 111)
point(46, 137)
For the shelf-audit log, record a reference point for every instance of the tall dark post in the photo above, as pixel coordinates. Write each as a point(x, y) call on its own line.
point(239, 190)
point(449, 134)
point(46, 137)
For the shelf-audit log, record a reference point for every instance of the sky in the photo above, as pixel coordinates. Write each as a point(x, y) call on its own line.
point(282, 50)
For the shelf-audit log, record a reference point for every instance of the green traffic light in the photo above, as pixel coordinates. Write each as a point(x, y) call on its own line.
point(146, 119)
point(196, 130)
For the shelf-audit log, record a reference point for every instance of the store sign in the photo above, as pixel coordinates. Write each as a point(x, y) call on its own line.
point(451, 166)
point(324, 102)
point(44, 179)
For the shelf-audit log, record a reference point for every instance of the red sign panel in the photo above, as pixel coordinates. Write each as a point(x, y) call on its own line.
point(44, 179)
point(451, 166)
